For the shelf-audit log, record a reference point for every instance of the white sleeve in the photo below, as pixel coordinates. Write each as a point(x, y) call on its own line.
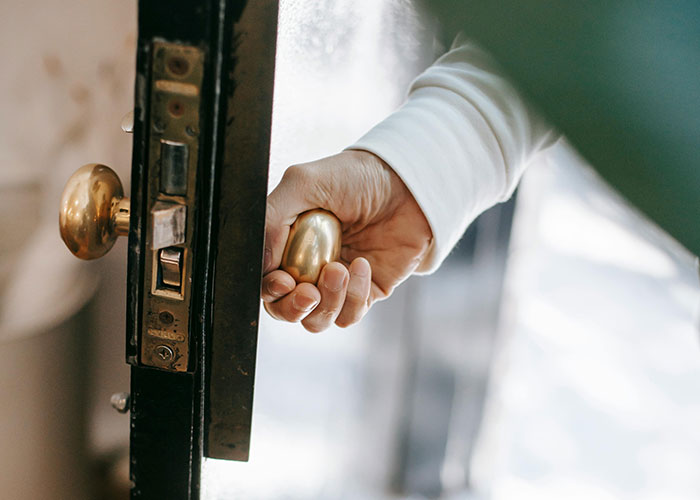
point(460, 142)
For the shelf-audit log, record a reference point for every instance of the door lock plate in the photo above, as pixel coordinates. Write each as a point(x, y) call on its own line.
point(173, 154)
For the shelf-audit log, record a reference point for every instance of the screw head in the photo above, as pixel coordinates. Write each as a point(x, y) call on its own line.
point(120, 401)
point(158, 126)
point(164, 353)
point(166, 317)
point(176, 108)
point(178, 65)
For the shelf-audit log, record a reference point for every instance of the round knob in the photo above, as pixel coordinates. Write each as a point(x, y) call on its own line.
point(93, 211)
point(314, 241)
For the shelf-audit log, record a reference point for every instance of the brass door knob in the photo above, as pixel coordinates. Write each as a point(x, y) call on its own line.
point(314, 241)
point(93, 212)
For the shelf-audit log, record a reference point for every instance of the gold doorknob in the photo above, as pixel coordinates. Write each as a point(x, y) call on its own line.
point(314, 241)
point(93, 212)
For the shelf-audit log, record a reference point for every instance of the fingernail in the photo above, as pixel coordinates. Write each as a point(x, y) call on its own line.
point(303, 302)
point(267, 259)
point(334, 279)
point(277, 289)
point(360, 267)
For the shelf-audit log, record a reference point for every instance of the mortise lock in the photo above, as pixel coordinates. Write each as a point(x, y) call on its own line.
point(94, 211)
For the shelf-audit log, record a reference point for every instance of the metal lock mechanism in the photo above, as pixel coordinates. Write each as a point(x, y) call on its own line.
point(94, 211)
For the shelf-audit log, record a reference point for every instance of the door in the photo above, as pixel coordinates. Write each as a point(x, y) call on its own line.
point(195, 224)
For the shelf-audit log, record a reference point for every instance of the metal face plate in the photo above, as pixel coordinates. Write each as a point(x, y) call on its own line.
point(176, 82)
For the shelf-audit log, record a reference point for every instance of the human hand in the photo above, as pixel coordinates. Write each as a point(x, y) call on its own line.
point(385, 237)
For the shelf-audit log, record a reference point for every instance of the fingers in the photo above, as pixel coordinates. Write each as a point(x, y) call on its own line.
point(342, 296)
point(333, 284)
point(357, 295)
point(276, 285)
point(296, 305)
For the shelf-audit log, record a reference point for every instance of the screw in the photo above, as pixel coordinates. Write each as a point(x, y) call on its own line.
point(166, 317)
point(158, 126)
point(178, 65)
point(164, 353)
point(120, 401)
point(176, 108)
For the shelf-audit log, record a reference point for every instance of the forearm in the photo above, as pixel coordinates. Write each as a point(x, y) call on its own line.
point(460, 142)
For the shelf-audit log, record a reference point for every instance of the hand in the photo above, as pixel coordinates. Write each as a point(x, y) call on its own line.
point(385, 237)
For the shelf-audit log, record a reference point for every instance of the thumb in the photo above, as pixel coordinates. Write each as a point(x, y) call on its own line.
point(284, 204)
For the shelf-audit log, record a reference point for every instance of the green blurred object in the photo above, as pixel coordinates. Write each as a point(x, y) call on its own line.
point(620, 79)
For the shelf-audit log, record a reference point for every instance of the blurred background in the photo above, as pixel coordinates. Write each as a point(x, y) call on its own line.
point(554, 355)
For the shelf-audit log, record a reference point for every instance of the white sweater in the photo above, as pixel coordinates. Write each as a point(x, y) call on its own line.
point(460, 142)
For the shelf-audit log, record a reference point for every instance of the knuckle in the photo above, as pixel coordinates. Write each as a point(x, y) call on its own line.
point(296, 173)
point(355, 296)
